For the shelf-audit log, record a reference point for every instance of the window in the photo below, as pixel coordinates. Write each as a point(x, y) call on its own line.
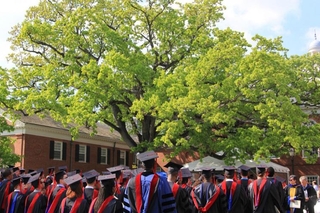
point(58, 150)
point(103, 155)
point(82, 153)
point(312, 178)
point(311, 152)
point(122, 158)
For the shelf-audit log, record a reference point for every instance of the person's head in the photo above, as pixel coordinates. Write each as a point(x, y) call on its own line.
point(206, 172)
point(292, 179)
point(314, 183)
point(244, 170)
point(229, 172)
point(7, 174)
point(261, 171)
point(60, 176)
point(186, 176)
point(270, 171)
point(148, 159)
point(91, 177)
point(108, 188)
point(173, 170)
point(303, 180)
point(35, 181)
point(74, 186)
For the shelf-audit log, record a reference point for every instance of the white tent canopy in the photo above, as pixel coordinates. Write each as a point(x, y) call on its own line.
point(219, 164)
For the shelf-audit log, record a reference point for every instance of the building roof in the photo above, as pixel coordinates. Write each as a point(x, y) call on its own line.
point(314, 46)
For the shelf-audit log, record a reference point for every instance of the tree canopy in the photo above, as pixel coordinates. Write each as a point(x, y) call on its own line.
point(162, 75)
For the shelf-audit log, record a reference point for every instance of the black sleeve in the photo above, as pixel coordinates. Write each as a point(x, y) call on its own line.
point(183, 201)
point(119, 207)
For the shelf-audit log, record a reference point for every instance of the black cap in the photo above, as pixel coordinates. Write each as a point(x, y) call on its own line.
point(34, 178)
point(25, 178)
point(219, 177)
point(115, 169)
point(15, 169)
point(206, 170)
point(16, 181)
point(30, 170)
point(63, 168)
point(40, 171)
point(261, 168)
point(229, 170)
point(173, 167)
point(149, 155)
point(22, 171)
point(244, 168)
point(106, 173)
point(10, 167)
point(33, 173)
point(91, 175)
point(69, 174)
point(73, 179)
point(185, 172)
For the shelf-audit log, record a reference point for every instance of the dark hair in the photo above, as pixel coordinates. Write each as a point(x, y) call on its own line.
point(270, 171)
point(293, 177)
point(185, 180)
point(35, 184)
point(149, 164)
point(6, 173)
point(244, 173)
point(105, 191)
point(77, 188)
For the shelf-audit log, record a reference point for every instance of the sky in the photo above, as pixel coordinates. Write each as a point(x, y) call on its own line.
point(295, 20)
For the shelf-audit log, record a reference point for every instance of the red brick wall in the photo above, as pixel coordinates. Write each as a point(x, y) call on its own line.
point(37, 155)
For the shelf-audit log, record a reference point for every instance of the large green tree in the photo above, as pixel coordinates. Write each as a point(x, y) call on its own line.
point(162, 75)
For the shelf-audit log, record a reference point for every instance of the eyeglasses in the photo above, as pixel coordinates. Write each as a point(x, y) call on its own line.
point(291, 179)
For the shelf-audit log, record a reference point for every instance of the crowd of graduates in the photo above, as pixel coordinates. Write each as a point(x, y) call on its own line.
point(119, 189)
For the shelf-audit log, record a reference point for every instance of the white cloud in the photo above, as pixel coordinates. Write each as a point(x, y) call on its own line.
point(250, 16)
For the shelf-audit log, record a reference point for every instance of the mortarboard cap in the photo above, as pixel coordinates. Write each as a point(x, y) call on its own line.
point(78, 171)
point(10, 167)
point(15, 169)
point(15, 181)
point(219, 177)
point(106, 177)
point(22, 171)
point(206, 170)
point(173, 167)
point(244, 168)
point(90, 174)
point(34, 178)
point(33, 173)
point(69, 174)
point(59, 175)
point(40, 171)
point(25, 178)
point(73, 179)
point(185, 172)
point(63, 168)
point(229, 170)
point(106, 173)
point(261, 168)
point(149, 155)
point(30, 170)
point(127, 173)
point(115, 169)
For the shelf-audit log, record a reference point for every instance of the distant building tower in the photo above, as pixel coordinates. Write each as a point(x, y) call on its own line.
point(314, 47)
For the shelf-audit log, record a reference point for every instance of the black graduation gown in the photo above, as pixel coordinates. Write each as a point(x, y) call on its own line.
point(203, 192)
point(269, 198)
point(115, 206)
point(312, 195)
point(40, 205)
point(244, 182)
point(279, 188)
point(182, 200)
point(2, 190)
point(83, 208)
point(53, 196)
point(188, 190)
point(88, 194)
point(239, 201)
point(299, 196)
point(19, 203)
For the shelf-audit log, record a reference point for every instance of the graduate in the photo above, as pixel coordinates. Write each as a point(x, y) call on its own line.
point(270, 177)
point(263, 195)
point(236, 196)
point(16, 198)
point(91, 190)
point(36, 202)
point(58, 193)
point(147, 191)
point(106, 201)
point(208, 197)
point(180, 194)
point(117, 170)
point(74, 201)
point(5, 189)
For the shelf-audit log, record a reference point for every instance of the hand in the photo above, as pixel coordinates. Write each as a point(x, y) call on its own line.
point(307, 199)
point(292, 199)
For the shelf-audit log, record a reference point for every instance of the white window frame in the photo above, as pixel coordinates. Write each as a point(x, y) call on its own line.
point(84, 149)
point(310, 178)
point(315, 151)
point(124, 153)
point(105, 155)
point(56, 145)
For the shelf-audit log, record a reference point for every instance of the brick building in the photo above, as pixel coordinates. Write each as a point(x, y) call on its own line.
point(43, 143)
